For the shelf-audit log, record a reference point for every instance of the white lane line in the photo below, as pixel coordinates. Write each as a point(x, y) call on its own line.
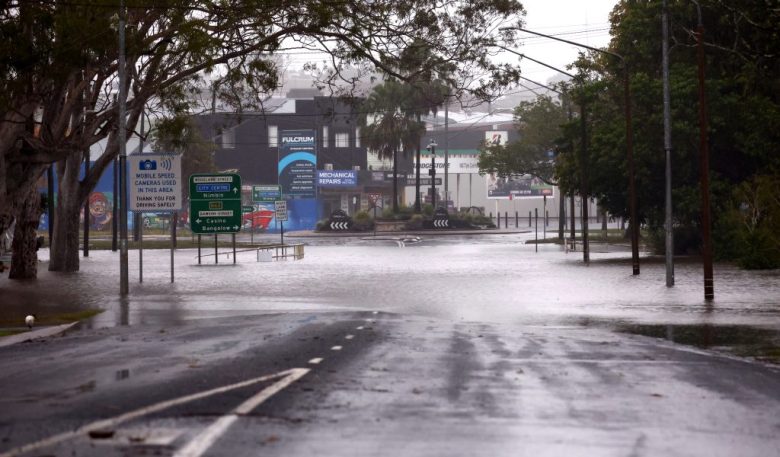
point(208, 437)
point(316, 360)
point(349, 337)
point(359, 328)
point(114, 421)
point(335, 348)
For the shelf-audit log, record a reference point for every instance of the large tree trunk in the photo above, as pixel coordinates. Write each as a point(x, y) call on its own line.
point(65, 248)
point(24, 262)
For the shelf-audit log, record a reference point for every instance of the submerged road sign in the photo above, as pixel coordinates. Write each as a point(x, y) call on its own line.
point(215, 203)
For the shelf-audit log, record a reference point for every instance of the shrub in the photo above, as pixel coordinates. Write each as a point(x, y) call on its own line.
point(414, 223)
point(362, 217)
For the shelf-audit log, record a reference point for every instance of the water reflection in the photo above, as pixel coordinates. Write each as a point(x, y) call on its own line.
point(761, 343)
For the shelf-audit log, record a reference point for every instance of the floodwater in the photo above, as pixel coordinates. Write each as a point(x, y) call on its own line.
point(493, 278)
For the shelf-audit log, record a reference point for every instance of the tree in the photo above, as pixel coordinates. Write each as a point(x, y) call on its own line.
point(743, 104)
point(431, 83)
point(59, 68)
point(389, 125)
point(539, 124)
point(180, 135)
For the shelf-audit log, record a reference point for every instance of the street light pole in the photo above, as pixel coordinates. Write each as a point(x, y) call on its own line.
point(432, 172)
point(629, 139)
point(667, 146)
point(446, 150)
point(122, 134)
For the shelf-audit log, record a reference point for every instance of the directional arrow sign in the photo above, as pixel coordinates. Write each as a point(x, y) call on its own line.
point(215, 203)
point(266, 194)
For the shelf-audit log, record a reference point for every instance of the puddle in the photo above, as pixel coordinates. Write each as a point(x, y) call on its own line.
point(741, 340)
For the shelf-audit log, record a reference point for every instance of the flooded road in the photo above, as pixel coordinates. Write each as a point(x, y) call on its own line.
point(453, 346)
point(492, 278)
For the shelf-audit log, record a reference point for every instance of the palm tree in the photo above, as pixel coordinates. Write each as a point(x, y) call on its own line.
point(389, 125)
point(429, 84)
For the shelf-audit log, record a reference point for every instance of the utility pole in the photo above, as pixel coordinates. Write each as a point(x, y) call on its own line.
point(123, 273)
point(704, 157)
point(667, 146)
point(632, 200)
point(584, 181)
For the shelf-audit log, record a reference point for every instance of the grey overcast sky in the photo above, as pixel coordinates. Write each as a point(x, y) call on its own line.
point(583, 21)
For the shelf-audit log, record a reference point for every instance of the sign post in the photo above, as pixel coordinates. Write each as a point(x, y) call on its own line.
point(155, 187)
point(250, 209)
point(281, 215)
point(215, 205)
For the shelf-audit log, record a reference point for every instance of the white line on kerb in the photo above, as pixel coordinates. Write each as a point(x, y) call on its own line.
point(335, 348)
point(316, 360)
point(114, 421)
point(208, 437)
point(349, 337)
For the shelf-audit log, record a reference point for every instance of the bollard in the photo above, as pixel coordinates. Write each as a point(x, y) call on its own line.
point(536, 229)
point(529, 218)
point(546, 219)
point(506, 219)
point(517, 220)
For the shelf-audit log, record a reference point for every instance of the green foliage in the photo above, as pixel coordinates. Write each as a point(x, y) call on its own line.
point(427, 210)
point(743, 112)
point(539, 124)
point(362, 221)
point(414, 223)
point(758, 219)
point(323, 225)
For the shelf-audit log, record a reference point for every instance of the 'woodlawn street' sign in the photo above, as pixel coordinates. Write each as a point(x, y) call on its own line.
point(215, 203)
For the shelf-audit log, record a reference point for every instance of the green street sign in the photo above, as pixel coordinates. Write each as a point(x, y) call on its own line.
point(215, 203)
point(247, 209)
point(266, 194)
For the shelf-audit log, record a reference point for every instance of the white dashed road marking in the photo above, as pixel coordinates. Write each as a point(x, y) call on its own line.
point(349, 337)
point(315, 361)
point(111, 423)
point(359, 328)
point(208, 437)
point(335, 348)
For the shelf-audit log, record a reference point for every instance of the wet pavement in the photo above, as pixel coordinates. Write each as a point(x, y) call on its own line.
point(459, 345)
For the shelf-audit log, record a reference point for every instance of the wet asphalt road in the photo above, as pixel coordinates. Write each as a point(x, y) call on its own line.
point(363, 383)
